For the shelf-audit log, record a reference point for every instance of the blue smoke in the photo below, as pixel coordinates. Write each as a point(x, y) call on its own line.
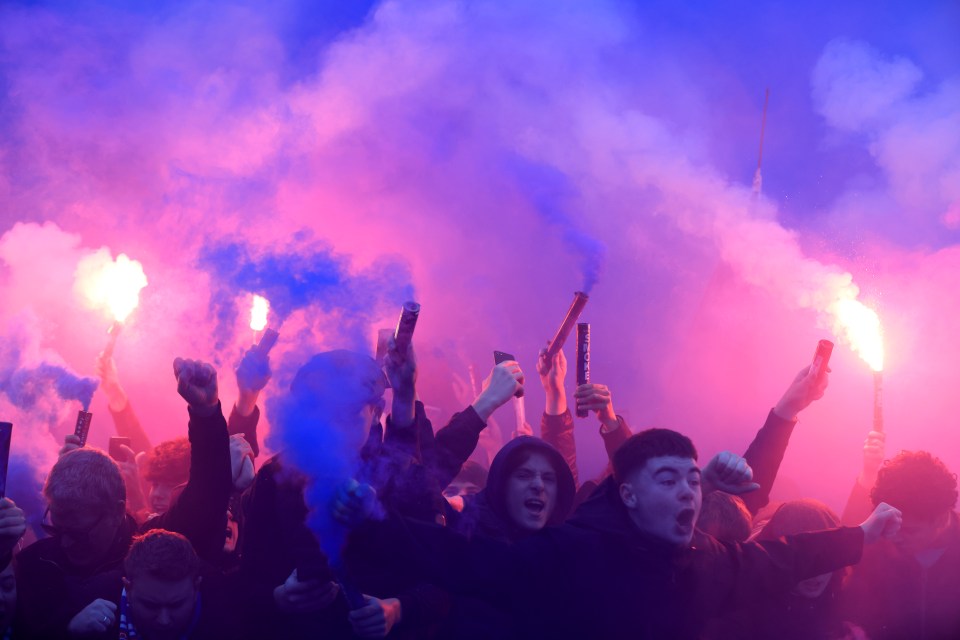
point(26, 387)
point(555, 198)
point(317, 426)
point(24, 486)
point(305, 275)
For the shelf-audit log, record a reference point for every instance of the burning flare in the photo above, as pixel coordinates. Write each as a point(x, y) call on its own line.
point(259, 310)
point(112, 285)
point(859, 326)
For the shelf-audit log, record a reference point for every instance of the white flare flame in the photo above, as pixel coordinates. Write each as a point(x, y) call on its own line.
point(859, 326)
point(110, 284)
point(259, 309)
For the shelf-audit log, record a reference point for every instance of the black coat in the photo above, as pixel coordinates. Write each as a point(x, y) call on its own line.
point(51, 591)
point(597, 576)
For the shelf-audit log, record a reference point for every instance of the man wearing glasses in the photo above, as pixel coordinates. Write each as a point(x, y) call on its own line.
point(70, 583)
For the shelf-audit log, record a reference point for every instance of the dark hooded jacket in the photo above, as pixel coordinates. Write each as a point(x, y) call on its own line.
point(486, 514)
point(598, 576)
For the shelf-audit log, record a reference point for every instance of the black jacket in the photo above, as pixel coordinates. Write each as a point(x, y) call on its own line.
point(597, 576)
point(51, 591)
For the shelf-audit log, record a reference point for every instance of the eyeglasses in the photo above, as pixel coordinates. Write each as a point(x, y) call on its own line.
point(79, 536)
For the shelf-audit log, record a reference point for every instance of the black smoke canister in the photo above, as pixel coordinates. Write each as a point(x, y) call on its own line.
point(83, 426)
point(583, 360)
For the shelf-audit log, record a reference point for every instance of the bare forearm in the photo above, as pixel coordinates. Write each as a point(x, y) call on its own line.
point(556, 401)
point(247, 402)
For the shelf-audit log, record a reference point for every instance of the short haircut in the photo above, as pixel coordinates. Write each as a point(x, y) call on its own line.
point(725, 517)
point(652, 443)
point(169, 462)
point(918, 484)
point(163, 555)
point(85, 478)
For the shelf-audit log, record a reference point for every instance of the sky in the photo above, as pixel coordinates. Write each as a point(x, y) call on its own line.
point(489, 159)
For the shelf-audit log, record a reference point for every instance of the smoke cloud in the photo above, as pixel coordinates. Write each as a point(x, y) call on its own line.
point(496, 157)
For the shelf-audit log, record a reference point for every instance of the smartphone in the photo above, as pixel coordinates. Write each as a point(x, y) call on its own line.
point(6, 431)
point(114, 449)
point(503, 356)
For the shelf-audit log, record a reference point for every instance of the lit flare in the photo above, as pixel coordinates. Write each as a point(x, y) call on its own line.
point(859, 326)
point(110, 284)
point(259, 310)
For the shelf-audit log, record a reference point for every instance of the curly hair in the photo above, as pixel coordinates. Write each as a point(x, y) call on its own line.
point(163, 555)
point(918, 484)
point(169, 462)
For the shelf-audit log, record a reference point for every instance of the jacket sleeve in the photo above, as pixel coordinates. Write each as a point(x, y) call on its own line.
point(200, 512)
point(245, 426)
point(557, 430)
point(778, 565)
point(613, 440)
point(128, 426)
point(455, 442)
point(764, 456)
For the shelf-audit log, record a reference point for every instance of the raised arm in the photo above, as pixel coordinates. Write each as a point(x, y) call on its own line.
point(556, 425)
point(200, 511)
point(456, 441)
point(766, 452)
point(253, 374)
point(124, 419)
point(859, 503)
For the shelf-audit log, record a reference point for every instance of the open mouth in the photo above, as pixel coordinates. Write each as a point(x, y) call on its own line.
point(534, 505)
point(685, 518)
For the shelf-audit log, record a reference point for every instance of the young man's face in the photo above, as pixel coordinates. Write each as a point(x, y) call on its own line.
point(918, 535)
point(161, 495)
point(663, 498)
point(532, 493)
point(162, 609)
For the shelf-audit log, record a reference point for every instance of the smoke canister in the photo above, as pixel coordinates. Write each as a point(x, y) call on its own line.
point(405, 326)
point(83, 426)
point(573, 313)
point(583, 360)
point(823, 353)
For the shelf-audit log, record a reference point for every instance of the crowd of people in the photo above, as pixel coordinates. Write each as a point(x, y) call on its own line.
point(441, 535)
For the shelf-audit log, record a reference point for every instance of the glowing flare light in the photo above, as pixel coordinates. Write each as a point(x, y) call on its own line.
point(259, 310)
point(859, 326)
point(111, 284)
